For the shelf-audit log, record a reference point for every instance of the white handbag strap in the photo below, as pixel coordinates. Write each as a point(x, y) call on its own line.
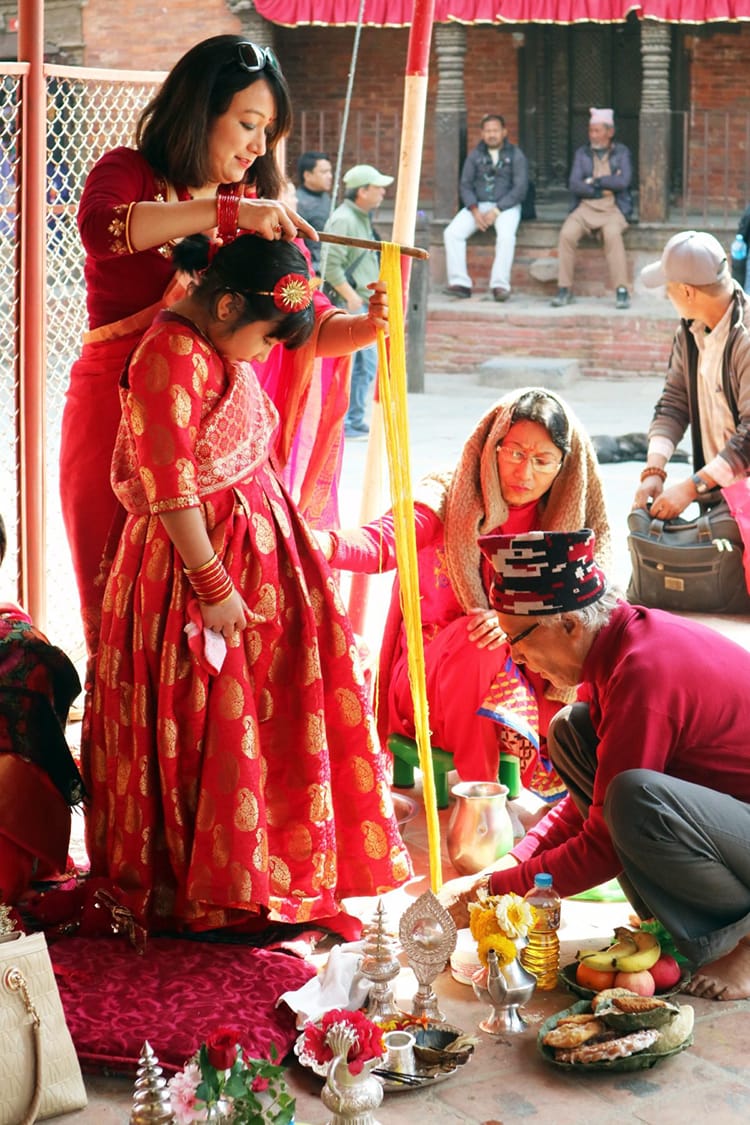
point(15, 981)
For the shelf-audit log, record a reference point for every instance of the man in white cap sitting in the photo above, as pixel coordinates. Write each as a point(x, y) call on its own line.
point(600, 182)
point(349, 271)
point(708, 380)
point(654, 753)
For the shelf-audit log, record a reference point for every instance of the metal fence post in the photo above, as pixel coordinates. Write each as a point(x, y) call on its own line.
point(416, 313)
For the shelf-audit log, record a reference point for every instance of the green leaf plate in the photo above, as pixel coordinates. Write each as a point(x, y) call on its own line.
point(642, 1060)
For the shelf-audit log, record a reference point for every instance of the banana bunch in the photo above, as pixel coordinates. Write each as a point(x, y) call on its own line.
point(631, 952)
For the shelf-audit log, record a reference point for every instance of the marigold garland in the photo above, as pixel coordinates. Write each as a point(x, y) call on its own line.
point(496, 922)
point(503, 946)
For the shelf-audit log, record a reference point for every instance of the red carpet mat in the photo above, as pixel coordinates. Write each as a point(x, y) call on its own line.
point(174, 995)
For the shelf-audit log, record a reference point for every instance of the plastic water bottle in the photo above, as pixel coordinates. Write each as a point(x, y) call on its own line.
point(542, 955)
point(738, 254)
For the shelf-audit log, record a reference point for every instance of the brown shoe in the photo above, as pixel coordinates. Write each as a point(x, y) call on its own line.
point(501, 294)
point(457, 291)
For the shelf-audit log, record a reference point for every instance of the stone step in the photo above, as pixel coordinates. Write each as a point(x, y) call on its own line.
point(462, 335)
point(511, 372)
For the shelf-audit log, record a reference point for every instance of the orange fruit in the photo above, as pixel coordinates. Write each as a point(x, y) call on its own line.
point(594, 979)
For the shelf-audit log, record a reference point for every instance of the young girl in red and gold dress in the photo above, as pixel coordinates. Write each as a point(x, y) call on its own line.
point(232, 760)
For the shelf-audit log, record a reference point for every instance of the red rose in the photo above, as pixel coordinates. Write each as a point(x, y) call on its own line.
point(221, 1047)
point(368, 1044)
point(259, 1084)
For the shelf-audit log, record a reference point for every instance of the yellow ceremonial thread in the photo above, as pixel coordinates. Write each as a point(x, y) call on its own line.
point(392, 390)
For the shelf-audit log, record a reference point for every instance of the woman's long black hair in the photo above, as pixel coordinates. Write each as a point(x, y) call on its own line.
point(249, 267)
point(173, 130)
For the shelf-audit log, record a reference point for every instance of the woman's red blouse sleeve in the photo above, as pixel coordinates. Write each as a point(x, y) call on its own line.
point(117, 181)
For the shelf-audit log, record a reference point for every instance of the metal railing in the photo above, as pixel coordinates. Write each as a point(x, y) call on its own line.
point(711, 163)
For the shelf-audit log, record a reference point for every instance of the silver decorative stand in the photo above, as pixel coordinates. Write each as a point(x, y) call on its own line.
point(428, 935)
point(151, 1104)
point(380, 965)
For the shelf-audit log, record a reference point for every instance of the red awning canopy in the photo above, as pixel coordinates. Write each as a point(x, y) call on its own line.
point(398, 13)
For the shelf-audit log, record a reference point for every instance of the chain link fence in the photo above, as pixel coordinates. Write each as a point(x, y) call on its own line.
point(88, 113)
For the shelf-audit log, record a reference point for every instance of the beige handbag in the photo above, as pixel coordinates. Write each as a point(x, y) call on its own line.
point(39, 1071)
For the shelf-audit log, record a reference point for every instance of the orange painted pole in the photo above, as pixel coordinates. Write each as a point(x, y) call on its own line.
point(31, 282)
point(392, 414)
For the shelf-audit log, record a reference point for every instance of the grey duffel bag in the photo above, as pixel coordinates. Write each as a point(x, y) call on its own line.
point(693, 565)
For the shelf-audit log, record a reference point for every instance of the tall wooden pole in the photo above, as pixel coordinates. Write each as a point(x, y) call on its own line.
point(404, 226)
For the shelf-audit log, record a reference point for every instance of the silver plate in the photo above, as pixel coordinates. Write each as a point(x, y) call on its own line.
point(423, 1069)
point(391, 1085)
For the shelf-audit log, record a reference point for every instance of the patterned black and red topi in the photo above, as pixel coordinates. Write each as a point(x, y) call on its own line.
point(543, 572)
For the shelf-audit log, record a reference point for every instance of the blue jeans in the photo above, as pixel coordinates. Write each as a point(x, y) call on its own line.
point(364, 368)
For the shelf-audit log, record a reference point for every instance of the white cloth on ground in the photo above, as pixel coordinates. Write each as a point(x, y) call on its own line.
point(340, 984)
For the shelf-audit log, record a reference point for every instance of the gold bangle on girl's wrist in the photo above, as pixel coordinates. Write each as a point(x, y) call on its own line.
point(191, 570)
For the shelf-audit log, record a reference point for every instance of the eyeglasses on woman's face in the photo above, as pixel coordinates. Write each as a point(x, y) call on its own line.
point(544, 463)
point(253, 58)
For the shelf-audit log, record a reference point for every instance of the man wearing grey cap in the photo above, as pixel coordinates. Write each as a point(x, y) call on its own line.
point(708, 379)
point(349, 271)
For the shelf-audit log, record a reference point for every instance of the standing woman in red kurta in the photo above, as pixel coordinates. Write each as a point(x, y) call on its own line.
point(204, 152)
point(233, 767)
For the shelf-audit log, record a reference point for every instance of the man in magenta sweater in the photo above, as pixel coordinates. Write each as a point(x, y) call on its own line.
point(655, 755)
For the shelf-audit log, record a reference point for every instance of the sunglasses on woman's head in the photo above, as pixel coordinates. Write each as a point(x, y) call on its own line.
point(253, 58)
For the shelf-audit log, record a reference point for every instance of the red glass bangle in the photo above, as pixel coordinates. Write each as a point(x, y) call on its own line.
point(227, 216)
point(191, 570)
point(211, 583)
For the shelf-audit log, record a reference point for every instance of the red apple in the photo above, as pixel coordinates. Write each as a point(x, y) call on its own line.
point(666, 972)
point(642, 983)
